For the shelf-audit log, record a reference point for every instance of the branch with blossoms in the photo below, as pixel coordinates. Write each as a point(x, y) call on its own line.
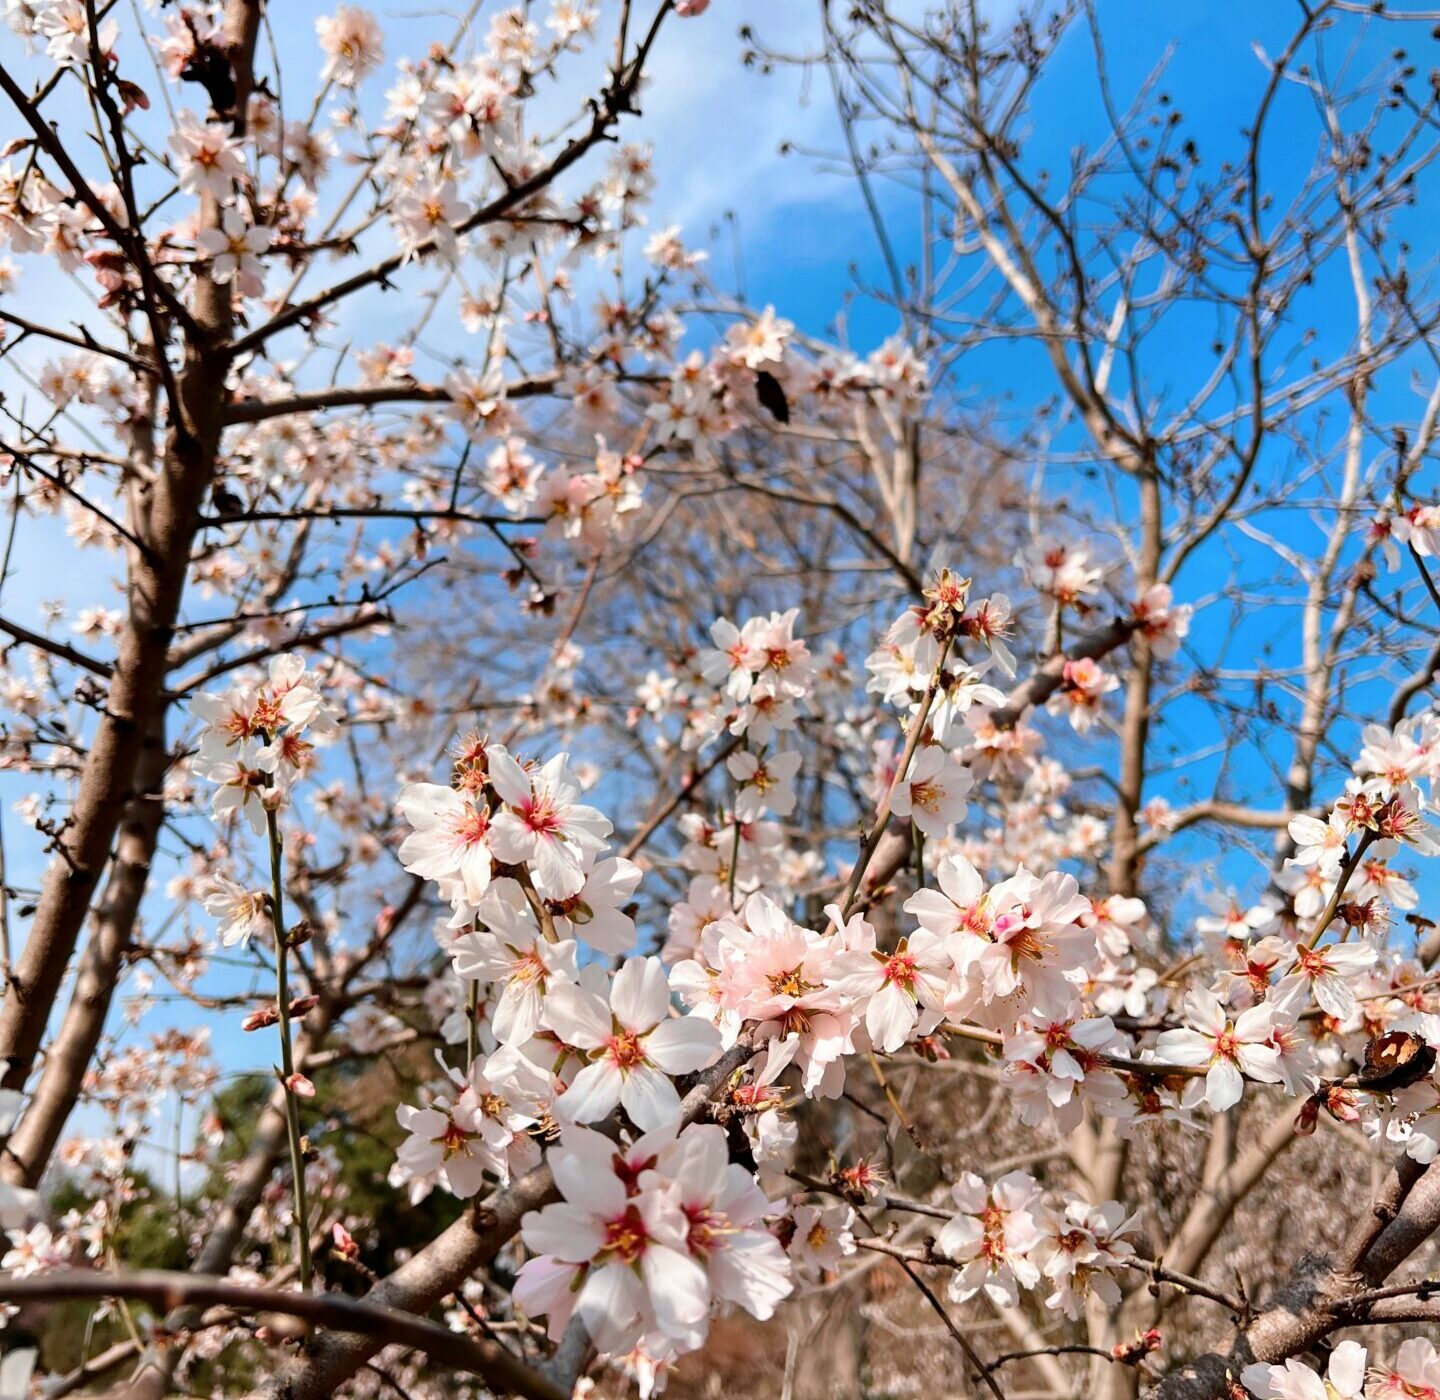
point(924, 934)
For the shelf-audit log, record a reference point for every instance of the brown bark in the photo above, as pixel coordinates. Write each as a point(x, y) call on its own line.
point(69, 1056)
point(1314, 1301)
point(166, 518)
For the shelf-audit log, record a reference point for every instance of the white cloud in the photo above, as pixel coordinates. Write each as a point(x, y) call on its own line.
point(717, 125)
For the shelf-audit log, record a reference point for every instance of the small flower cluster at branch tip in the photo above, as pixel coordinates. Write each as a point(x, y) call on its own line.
point(256, 743)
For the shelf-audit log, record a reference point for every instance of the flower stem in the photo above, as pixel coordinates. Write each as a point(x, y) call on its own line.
point(287, 1055)
point(882, 817)
point(1346, 871)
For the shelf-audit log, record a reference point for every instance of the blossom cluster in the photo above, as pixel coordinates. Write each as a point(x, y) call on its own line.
point(1413, 1375)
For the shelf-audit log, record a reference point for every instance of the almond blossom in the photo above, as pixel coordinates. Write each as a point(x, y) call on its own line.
point(932, 794)
point(632, 1046)
point(240, 911)
point(234, 251)
point(1344, 1377)
point(597, 914)
point(451, 838)
point(210, 159)
point(352, 42)
point(1329, 974)
point(765, 784)
point(895, 991)
point(1413, 1375)
point(483, 1131)
point(991, 1238)
point(615, 1251)
point(542, 825)
point(1230, 1049)
point(820, 1237)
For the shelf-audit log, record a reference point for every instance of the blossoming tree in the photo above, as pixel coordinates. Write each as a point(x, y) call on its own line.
point(670, 778)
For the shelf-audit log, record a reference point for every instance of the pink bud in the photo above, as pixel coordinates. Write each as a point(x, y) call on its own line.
point(260, 1018)
point(344, 1241)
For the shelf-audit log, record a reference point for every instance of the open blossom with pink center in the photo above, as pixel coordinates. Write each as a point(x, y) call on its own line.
point(1329, 973)
point(897, 673)
point(759, 341)
point(1295, 1056)
point(632, 1046)
point(895, 991)
point(262, 726)
point(1020, 939)
point(1419, 527)
point(1160, 621)
point(477, 402)
point(512, 475)
point(1399, 819)
point(1060, 571)
point(1319, 843)
point(1374, 878)
point(1232, 1049)
point(597, 914)
point(240, 911)
point(989, 622)
point(451, 838)
point(961, 688)
point(963, 903)
point(764, 967)
point(34, 1250)
point(762, 715)
point(615, 1251)
point(1413, 1375)
point(732, 661)
point(1344, 1378)
point(724, 1211)
point(1403, 753)
point(483, 1131)
point(992, 1237)
point(998, 749)
point(770, 965)
point(1231, 920)
point(543, 826)
point(705, 902)
point(240, 787)
point(764, 655)
point(1055, 1069)
point(821, 1236)
point(766, 783)
point(1111, 919)
point(234, 251)
point(209, 158)
point(1082, 687)
point(511, 954)
point(428, 214)
point(932, 794)
point(783, 666)
point(1308, 886)
point(353, 44)
point(1079, 1247)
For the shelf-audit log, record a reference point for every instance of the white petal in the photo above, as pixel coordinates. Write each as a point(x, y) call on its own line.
point(683, 1044)
point(649, 1097)
point(594, 1093)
